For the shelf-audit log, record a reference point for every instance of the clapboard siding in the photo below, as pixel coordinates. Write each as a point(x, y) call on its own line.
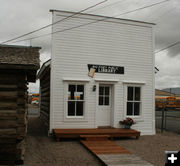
point(109, 42)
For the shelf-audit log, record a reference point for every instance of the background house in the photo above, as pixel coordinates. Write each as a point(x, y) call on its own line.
point(176, 91)
point(18, 67)
point(162, 93)
point(120, 52)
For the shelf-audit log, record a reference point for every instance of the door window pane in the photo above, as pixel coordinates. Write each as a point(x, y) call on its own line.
point(71, 108)
point(106, 90)
point(106, 100)
point(79, 108)
point(100, 100)
point(101, 90)
point(130, 93)
point(137, 93)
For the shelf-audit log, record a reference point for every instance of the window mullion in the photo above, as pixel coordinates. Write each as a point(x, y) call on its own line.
point(75, 106)
point(132, 107)
point(75, 99)
point(103, 95)
point(133, 101)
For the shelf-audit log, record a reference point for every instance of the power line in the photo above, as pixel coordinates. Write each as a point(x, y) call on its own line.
point(165, 48)
point(95, 21)
point(145, 7)
point(54, 22)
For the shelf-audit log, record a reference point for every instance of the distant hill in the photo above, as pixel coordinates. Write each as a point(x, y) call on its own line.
point(176, 91)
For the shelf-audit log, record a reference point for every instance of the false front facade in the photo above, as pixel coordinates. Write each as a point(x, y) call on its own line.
point(101, 71)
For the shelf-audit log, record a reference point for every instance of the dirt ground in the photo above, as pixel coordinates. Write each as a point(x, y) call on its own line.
point(44, 151)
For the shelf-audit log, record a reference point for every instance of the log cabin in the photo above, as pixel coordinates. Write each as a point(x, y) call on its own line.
point(18, 67)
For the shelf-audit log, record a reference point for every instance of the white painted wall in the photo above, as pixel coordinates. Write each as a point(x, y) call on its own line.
point(109, 42)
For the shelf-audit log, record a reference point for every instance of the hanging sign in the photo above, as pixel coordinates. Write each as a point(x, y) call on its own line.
point(106, 69)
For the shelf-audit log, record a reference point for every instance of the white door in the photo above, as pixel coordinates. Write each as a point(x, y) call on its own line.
point(104, 105)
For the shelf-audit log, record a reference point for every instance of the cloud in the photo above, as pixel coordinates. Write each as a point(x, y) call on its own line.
point(168, 75)
point(19, 16)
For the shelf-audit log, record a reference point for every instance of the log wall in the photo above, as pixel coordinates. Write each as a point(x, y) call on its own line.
point(13, 111)
point(45, 98)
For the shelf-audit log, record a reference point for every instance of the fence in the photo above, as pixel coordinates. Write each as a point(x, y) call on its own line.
point(168, 119)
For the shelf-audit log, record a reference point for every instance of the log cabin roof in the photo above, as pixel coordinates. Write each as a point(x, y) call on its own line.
point(20, 58)
point(20, 55)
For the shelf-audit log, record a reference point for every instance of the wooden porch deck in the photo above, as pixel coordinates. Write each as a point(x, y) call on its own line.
point(112, 133)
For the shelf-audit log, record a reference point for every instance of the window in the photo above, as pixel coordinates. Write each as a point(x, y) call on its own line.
point(133, 100)
point(75, 100)
point(104, 95)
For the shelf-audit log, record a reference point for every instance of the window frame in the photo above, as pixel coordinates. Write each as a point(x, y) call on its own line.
point(134, 101)
point(104, 95)
point(75, 100)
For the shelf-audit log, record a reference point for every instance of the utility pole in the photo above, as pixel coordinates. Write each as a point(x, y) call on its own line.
point(162, 117)
point(170, 90)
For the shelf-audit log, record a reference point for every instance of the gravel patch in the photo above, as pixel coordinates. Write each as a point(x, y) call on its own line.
point(152, 148)
point(44, 151)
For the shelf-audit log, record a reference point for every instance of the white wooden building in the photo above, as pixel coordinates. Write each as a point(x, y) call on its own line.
point(122, 54)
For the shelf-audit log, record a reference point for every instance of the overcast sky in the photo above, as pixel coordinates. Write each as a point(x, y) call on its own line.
point(21, 16)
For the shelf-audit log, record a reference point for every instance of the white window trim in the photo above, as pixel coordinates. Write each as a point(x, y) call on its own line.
point(134, 82)
point(106, 80)
point(137, 118)
point(75, 80)
point(74, 118)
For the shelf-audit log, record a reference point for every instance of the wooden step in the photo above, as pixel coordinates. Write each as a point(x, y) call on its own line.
point(95, 137)
point(105, 127)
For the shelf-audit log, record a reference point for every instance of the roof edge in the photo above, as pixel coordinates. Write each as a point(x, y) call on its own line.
point(108, 17)
point(18, 46)
point(165, 91)
point(19, 66)
point(42, 69)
